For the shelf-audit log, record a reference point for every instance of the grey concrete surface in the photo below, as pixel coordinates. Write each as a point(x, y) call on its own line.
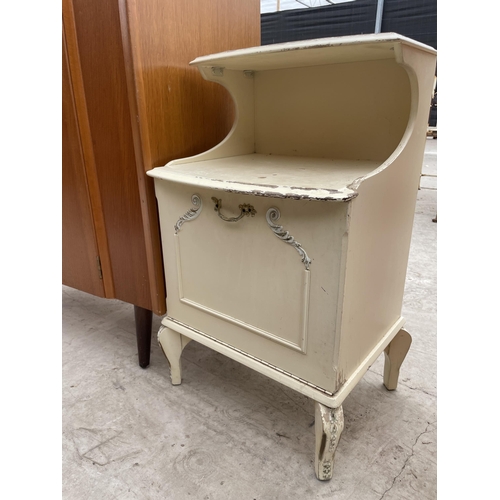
point(230, 433)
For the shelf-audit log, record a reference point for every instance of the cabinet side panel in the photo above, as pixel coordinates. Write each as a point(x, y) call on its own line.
point(101, 56)
point(380, 231)
point(377, 256)
point(79, 246)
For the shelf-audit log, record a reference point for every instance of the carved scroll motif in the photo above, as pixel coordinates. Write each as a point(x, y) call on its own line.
point(329, 424)
point(191, 214)
point(273, 215)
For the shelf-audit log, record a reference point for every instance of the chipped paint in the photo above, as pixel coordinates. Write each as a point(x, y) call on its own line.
point(341, 378)
point(315, 189)
point(273, 186)
point(255, 189)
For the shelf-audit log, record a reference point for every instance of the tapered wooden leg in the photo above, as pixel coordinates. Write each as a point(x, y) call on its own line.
point(328, 424)
point(395, 354)
point(143, 321)
point(172, 344)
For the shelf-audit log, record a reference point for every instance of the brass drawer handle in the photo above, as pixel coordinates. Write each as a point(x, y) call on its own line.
point(246, 210)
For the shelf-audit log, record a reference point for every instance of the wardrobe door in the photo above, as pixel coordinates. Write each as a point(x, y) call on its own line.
point(80, 261)
point(98, 37)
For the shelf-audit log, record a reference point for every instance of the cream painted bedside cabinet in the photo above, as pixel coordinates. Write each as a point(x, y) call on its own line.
point(286, 246)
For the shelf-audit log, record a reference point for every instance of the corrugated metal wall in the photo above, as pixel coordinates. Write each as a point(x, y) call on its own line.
point(415, 19)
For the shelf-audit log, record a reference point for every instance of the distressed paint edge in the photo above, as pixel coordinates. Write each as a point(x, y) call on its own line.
point(283, 192)
point(340, 294)
point(305, 311)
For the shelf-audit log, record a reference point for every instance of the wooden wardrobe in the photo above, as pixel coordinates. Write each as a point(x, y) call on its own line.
point(131, 103)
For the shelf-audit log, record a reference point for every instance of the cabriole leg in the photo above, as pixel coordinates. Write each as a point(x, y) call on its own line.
point(395, 354)
point(329, 424)
point(172, 344)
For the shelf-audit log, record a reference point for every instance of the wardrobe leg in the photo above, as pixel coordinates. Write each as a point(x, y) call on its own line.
point(143, 322)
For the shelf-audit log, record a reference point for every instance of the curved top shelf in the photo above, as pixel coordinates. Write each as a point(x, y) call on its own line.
point(273, 176)
point(311, 52)
point(307, 128)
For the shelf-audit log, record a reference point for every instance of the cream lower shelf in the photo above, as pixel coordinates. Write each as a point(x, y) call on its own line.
point(274, 176)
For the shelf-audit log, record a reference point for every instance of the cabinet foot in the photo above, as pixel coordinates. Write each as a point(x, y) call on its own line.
point(395, 354)
point(172, 344)
point(329, 424)
point(143, 322)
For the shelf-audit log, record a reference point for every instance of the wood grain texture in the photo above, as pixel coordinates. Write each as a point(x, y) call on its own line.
point(101, 56)
point(180, 113)
point(75, 72)
point(79, 247)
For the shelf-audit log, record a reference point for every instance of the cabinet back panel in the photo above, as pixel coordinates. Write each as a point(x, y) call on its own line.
point(363, 118)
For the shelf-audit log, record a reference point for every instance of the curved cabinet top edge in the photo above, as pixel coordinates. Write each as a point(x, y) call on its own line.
point(301, 53)
point(281, 192)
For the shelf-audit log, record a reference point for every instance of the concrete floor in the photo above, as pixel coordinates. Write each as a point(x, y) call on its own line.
point(230, 433)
